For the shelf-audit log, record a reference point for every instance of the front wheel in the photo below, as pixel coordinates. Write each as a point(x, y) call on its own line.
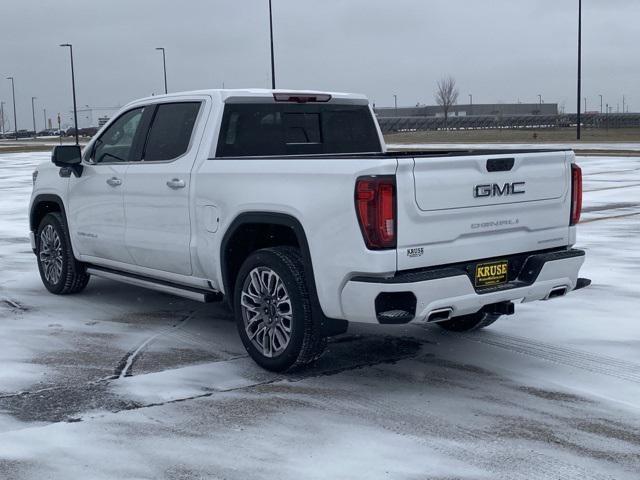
point(273, 310)
point(60, 272)
point(469, 323)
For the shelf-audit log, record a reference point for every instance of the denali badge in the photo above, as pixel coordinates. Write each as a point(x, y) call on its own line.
point(415, 252)
point(495, 190)
point(497, 224)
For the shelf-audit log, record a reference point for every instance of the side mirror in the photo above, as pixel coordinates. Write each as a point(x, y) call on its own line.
point(68, 158)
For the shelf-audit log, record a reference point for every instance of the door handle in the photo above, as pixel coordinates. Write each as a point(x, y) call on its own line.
point(114, 182)
point(176, 183)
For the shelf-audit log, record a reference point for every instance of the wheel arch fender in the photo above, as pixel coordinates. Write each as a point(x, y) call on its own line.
point(264, 218)
point(330, 326)
point(37, 212)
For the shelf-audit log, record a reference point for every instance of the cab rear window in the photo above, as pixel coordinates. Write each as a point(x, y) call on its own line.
point(256, 130)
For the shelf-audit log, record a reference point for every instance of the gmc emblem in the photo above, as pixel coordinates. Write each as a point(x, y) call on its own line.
point(495, 190)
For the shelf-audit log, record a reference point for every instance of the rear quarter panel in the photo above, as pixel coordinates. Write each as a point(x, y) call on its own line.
point(319, 193)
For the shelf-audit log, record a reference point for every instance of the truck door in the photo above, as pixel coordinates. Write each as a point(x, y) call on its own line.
point(96, 211)
point(156, 203)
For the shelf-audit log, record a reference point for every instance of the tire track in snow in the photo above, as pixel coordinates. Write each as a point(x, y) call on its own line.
point(608, 172)
point(589, 362)
point(609, 206)
point(612, 188)
point(126, 363)
point(610, 217)
point(13, 305)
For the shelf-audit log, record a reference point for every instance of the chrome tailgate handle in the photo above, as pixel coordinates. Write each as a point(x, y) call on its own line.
point(176, 183)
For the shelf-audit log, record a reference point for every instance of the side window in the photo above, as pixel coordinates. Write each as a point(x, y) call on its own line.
point(115, 144)
point(171, 131)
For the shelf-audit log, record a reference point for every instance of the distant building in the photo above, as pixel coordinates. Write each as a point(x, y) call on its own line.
point(89, 117)
point(496, 109)
point(102, 121)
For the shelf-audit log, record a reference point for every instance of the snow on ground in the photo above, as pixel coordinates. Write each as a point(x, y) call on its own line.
point(553, 392)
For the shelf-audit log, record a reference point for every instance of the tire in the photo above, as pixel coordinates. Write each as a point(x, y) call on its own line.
point(60, 272)
point(271, 301)
point(469, 323)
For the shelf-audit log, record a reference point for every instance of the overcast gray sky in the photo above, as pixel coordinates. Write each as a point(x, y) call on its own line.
point(498, 50)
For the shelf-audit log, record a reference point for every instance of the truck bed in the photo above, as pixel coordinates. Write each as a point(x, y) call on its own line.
point(414, 154)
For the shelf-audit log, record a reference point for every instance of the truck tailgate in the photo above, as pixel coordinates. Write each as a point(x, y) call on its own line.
point(471, 207)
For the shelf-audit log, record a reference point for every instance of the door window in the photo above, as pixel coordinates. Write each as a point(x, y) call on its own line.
point(171, 131)
point(115, 144)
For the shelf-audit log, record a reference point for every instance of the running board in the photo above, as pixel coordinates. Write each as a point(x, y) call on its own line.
point(204, 296)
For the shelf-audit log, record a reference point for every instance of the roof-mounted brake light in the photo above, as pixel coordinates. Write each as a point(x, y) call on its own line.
point(298, 98)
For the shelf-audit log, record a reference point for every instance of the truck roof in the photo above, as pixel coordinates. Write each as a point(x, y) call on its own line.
point(223, 95)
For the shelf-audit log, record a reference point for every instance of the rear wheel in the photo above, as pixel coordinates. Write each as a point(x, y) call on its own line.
point(469, 323)
point(273, 310)
point(60, 272)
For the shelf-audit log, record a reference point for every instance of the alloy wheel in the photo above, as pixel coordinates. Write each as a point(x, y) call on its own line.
point(266, 311)
point(50, 254)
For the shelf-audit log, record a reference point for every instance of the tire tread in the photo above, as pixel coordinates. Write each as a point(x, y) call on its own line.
point(313, 344)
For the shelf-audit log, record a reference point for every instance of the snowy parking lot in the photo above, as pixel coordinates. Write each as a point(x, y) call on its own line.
point(121, 382)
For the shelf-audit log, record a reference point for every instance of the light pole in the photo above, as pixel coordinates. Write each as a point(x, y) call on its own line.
point(273, 61)
point(600, 104)
point(164, 66)
point(2, 117)
point(579, 65)
point(395, 102)
point(624, 102)
point(33, 114)
point(15, 118)
point(73, 87)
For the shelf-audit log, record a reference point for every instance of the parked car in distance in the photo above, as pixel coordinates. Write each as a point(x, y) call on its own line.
point(47, 133)
point(25, 134)
point(83, 132)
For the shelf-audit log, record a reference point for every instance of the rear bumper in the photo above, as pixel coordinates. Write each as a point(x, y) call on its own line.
point(452, 288)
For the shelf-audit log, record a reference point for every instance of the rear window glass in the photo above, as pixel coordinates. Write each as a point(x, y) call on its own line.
point(293, 129)
point(171, 130)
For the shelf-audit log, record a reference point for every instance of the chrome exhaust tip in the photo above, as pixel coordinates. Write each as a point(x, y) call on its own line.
point(557, 292)
point(440, 315)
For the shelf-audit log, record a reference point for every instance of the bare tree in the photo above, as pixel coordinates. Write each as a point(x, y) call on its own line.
point(447, 95)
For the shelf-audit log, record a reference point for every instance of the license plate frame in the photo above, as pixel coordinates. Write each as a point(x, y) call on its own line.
point(491, 274)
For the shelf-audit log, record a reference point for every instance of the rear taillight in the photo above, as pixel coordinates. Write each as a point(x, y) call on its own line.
point(576, 193)
point(376, 210)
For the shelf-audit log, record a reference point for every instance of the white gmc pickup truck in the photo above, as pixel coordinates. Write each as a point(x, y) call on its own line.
point(289, 206)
